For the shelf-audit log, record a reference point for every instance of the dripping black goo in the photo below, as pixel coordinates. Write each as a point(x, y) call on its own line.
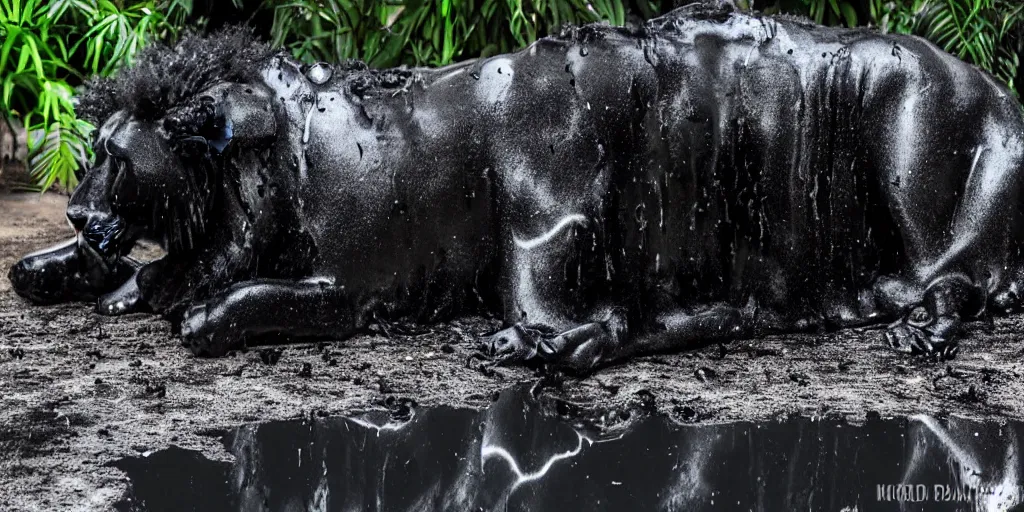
point(609, 192)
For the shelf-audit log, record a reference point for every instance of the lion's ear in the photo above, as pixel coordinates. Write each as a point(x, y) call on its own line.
point(244, 115)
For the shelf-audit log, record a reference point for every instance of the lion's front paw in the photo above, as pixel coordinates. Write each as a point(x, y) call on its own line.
point(906, 338)
point(920, 333)
point(514, 345)
point(122, 301)
point(113, 307)
point(206, 333)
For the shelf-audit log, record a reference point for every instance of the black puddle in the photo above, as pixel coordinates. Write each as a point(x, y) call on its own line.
point(520, 455)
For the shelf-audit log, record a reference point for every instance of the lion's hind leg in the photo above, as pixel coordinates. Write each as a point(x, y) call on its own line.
point(960, 257)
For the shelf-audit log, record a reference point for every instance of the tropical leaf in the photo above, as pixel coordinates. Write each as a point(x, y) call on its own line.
point(986, 33)
point(47, 45)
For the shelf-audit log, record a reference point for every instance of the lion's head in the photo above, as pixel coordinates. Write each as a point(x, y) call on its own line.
point(165, 125)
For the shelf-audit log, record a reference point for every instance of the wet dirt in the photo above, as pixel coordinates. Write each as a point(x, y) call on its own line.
point(79, 391)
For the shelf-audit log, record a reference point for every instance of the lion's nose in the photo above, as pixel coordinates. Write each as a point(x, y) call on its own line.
point(78, 216)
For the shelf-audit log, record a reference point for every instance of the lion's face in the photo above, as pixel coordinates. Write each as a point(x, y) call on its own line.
point(146, 183)
point(159, 179)
point(165, 124)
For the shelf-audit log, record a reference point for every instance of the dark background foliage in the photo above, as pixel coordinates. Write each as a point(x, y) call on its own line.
point(48, 47)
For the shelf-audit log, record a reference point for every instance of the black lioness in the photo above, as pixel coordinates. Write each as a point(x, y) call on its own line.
point(608, 192)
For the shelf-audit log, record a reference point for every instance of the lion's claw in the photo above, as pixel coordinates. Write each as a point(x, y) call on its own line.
point(508, 346)
point(909, 339)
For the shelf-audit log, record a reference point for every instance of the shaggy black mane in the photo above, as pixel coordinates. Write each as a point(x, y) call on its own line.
point(164, 77)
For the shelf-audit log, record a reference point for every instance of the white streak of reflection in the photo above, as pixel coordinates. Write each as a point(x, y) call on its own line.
point(322, 494)
point(390, 425)
point(994, 496)
point(488, 451)
point(546, 237)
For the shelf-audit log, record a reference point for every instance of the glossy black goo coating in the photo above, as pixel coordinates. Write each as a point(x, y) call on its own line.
point(709, 176)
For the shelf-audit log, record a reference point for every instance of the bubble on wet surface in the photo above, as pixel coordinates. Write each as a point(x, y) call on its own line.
point(320, 73)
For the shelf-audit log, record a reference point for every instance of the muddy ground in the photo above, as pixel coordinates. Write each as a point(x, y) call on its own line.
point(78, 390)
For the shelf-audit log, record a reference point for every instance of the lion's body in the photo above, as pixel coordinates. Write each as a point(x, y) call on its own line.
point(612, 192)
point(706, 164)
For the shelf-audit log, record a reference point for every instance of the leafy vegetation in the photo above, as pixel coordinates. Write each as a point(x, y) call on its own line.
point(430, 32)
point(824, 12)
point(51, 45)
point(987, 33)
point(47, 47)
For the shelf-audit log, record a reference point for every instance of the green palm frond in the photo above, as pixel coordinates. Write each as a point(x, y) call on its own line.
point(47, 45)
point(986, 33)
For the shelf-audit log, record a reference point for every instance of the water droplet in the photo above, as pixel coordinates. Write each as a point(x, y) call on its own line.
point(309, 118)
point(476, 76)
point(584, 51)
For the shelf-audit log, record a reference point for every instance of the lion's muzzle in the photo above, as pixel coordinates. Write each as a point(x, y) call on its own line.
point(100, 230)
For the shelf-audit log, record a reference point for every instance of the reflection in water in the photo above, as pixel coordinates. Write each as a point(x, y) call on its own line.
point(516, 455)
